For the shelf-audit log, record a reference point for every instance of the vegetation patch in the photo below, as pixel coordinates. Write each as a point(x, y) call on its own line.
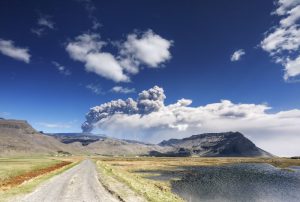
point(18, 185)
point(151, 190)
point(152, 177)
point(14, 166)
point(17, 180)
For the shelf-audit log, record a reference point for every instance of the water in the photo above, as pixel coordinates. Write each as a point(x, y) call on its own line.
point(249, 182)
point(239, 182)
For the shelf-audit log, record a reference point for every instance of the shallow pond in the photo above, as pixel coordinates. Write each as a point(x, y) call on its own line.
point(235, 182)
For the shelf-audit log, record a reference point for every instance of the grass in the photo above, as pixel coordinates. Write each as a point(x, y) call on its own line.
point(135, 172)
point(152, 191)
point(132, 172)
point(11, 168)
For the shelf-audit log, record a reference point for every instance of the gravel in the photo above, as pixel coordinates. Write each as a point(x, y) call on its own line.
point(78, 184)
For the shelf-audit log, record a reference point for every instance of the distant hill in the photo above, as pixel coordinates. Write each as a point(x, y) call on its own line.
point(17, 137)
point(83, 138)
point(228, 144)
point(103, 145)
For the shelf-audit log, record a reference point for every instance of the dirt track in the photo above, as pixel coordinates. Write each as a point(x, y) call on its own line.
point(79, 184)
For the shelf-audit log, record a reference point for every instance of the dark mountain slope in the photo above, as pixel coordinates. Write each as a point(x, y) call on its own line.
point(217, 144)
point(83, 138)
point(19, 138)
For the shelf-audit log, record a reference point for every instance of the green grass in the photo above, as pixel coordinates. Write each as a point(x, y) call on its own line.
point(15, 166)
point(11, 167)
point(29, 186)
point(125, 170)
point(152, 191)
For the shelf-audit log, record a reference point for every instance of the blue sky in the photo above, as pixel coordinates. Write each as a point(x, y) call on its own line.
point(53, 90)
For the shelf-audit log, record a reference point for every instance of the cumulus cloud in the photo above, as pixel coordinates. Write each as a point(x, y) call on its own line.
point(237, 55)
point(87, 49)
point(121, 89)
point(8, 48)
point(282, 42)
point(292, 68)
point(148, 49)
point(62, 69)
point(147, 118)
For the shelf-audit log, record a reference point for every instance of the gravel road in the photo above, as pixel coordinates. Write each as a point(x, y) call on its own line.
point(78, 184)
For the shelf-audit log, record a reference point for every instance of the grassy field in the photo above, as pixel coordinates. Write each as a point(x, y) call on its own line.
point(21, 175)
point(136, 173)
point(11, 167)
point(127, 178)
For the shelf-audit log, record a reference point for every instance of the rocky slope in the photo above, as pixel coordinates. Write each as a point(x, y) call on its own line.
point(103, 145)
point(83, 138)
point(111, 146)
point(216, 144)
point(19, 138)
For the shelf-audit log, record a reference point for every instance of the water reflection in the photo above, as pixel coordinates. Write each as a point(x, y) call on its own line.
point(236, 182)
point(239, 182)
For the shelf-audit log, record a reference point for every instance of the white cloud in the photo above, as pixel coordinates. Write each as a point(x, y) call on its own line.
point(62, 69)
point(121, 89)
point(282, 39)
point(291, 19)
point(8, 48)
point(87, 48)
point(292, 68)
point(83, 45)
point(95, 88)
point(148, 119)
point(106, 65)
point(282, 42)
point(237, 55)
point(149, 49)
point(285, 5)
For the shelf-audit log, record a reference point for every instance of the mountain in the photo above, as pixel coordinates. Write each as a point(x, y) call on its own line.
point(227, 144)
point(103, 145)
point(17, 137)
point(112, 146)
point(83, 138)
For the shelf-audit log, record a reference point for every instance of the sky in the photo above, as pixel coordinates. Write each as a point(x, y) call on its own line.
point(189, 66)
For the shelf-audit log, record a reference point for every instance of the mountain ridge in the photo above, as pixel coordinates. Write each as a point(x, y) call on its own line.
point(217, 144)
point(18, 137)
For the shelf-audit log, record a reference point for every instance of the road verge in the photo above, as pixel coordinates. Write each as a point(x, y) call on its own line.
point(27, 183)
